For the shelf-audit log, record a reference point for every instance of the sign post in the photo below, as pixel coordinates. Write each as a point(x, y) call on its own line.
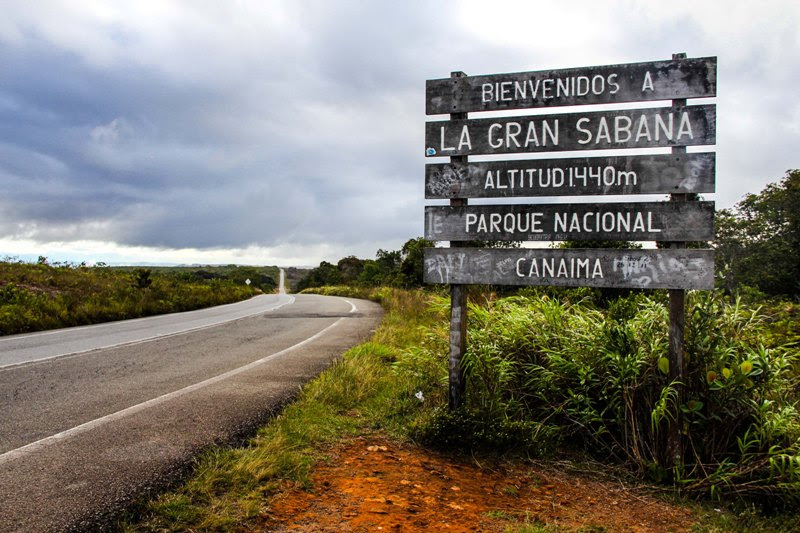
point(677, 318)
point(458, 301)
point(679, 174)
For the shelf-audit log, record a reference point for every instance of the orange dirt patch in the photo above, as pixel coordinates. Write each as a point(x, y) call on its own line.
point(375, 484)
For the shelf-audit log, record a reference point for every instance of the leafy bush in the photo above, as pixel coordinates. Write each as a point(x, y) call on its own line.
point(575, 373)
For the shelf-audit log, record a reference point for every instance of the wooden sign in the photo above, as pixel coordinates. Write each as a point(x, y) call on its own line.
point(646, 221)
point(650, 174)
point(633, 269)
point(610, 84)
point(599, 130)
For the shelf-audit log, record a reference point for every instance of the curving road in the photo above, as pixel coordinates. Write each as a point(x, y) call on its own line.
point(93, 418)
point(19, 349)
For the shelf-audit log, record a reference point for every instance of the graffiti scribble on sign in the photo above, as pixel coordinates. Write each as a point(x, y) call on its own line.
point(447, 181)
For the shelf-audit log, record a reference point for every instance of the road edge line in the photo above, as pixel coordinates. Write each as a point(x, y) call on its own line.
point(291, 301)
point(87, 426)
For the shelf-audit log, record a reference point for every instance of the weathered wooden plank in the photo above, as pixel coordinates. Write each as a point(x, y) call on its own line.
point(458, 304)
point(632, 82)
point(598, 130)
point(645, 221)
point(635, 269)
point(649, 174)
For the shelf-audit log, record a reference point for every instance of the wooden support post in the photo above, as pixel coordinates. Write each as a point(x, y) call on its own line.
point(458, 305)
point(677, 317)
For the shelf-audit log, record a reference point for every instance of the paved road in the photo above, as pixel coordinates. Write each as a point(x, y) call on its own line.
point(83, 435)
point(18, 349)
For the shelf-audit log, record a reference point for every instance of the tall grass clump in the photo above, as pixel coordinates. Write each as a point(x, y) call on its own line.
point(543, 373)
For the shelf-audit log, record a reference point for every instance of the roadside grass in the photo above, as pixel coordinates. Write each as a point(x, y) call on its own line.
point(395, 383)
point(375, 386)
point(35, 297)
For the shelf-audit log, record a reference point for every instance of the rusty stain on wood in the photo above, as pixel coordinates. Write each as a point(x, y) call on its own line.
point(636, 269)
point(608, 84)
point(641, 174)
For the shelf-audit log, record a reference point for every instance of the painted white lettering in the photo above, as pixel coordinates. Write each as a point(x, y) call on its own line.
point(560, 223)
point(470, 220)
point(520, 90)
point(582, 270)
point(638, 222)
point(562, 270)
point(598, 269)
point(509, 223)
point(602, 131)
point(647, 85)
point(547, 88)
point(575, 224)
point(464, 140)
point(583, 176)
point(661, 126)
point(489, 183)
point(613, 83)
point(608, 222)
point(594, 175)
point(582, 86)
point(685, 127)
point(623, 221)
point(512, 130)
point(579, 127)
point(548, 267)
point(622, 126)
point(643, 131)
point(586, 226)
point(609, 176)
point(598, 84)
point(531, 137)
point(486, 92)
point(499, 142)
point(536, 222)
point(650, 226)
point(562, 88)
point(547, 130)
point(494, 222)
point(558, 176)
point(534, 270)
point(442, 147)
point(505, 90)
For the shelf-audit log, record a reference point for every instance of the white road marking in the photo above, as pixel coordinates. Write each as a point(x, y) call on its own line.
point(87, 426)
point(290, 301)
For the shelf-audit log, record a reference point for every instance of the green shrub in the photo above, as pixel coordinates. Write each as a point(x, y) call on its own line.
point(574, 372)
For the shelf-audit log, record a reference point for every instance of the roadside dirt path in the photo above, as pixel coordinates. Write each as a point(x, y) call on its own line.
point(375, 484)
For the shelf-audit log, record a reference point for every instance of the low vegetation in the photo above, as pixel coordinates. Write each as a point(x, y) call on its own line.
point(547, 371)
point(579, 371)
point(42, 296)
point(383, 384)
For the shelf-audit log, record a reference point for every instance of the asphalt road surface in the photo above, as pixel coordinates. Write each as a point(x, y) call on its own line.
point(90, 428)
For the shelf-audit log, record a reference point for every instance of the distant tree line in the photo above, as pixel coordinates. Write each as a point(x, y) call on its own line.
point(397, 268)
point(261, 278)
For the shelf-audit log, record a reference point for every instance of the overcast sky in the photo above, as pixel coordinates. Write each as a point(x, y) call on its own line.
point(270, 132)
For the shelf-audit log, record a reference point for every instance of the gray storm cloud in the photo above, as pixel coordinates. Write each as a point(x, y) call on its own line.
point(204, 125)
